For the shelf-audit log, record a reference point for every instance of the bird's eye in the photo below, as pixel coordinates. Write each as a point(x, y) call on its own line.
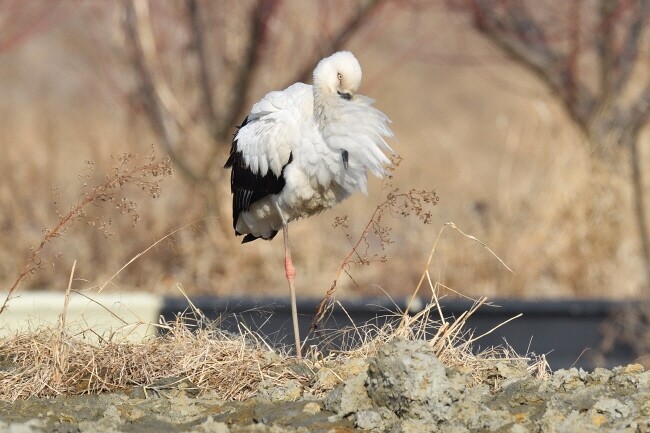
point(339, 76)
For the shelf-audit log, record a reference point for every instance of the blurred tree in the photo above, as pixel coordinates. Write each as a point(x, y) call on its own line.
point(21, 21)
point(589, 53)
point(223, 48)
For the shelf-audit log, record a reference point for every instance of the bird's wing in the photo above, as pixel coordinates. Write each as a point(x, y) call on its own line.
point(262, 146)
point(359, 132)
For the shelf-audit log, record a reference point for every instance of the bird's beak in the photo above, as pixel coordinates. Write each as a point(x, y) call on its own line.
point(345, 95)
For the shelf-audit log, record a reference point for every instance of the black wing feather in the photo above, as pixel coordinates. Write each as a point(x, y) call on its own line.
point(248, 187)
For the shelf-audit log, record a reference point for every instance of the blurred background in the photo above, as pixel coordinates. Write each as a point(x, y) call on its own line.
point(528, 119)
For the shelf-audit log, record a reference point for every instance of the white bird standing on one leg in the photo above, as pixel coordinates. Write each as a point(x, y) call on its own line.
point(303, 150)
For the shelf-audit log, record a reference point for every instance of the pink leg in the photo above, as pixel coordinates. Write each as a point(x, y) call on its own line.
point(290, 272)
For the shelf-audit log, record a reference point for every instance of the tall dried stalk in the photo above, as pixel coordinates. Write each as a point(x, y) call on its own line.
point(396, 203)
point(142, 172)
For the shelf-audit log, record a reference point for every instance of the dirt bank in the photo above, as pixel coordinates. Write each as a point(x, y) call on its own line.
point(405, 388)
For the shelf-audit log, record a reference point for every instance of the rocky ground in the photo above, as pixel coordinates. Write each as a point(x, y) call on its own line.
point(405, 388)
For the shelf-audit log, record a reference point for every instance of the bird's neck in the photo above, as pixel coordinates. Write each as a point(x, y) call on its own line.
point(324, 106)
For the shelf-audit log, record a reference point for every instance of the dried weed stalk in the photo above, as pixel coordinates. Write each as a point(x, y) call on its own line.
point(450, 338)
point(144, 172)
point(375, 237)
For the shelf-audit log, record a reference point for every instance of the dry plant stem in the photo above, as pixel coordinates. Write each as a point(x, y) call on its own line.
point(108, 310)
point(61, 352)
point(99, 193)
point(453, 226)
point(473, 339)
point(321, 309)
point(413, 202)
point(425, 273)
point(67, 298)
point(141, 253)
point(59, 349)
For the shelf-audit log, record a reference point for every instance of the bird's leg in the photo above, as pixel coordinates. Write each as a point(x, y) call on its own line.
point(290, 272)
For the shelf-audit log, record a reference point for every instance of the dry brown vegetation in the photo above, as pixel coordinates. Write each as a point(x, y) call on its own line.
point(194, 352)
point(498, 149)
point(143, 173)
point(50, 362)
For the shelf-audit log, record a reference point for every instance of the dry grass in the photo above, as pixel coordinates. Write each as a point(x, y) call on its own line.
point(48, 362)
point(51, 362)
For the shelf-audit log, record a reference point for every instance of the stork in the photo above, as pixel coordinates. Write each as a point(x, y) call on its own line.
point(301, 151)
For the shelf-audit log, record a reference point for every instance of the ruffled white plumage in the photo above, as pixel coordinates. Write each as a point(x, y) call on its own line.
point(273, 124)
point(313, 129)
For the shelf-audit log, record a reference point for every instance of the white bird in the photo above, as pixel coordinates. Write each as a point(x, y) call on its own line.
point(301, 151)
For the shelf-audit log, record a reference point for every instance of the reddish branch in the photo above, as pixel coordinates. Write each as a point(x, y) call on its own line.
point(197, 34)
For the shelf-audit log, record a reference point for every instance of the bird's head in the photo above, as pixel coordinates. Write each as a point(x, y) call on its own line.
point(338, 74)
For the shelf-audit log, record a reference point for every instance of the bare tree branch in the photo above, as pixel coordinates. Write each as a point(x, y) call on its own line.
point(639, 202)
point(605, 46)
point(575, 48)
point(639, 111)
point(631, 43)
point(198, 44)
point(339, 40)
point(518, 36)
point(157, 97)
point(262, 13)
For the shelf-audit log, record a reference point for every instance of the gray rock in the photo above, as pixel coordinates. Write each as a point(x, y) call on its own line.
point(408, 379)
point(612, 408)
point(291, 390)
point(349, 397)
